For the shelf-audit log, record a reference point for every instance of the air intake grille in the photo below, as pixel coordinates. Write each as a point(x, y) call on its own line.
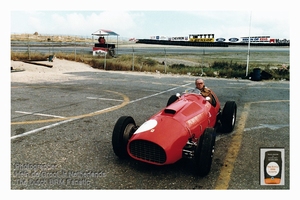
point(147, 151)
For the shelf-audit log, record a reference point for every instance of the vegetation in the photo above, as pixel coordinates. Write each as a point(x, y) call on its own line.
point(47, 38)
point(213, 68)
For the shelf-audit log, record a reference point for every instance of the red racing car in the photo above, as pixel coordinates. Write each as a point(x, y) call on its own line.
point(185, 128)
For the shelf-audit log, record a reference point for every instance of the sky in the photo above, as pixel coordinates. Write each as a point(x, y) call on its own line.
point(142, 23)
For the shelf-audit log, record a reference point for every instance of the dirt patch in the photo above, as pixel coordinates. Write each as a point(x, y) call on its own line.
point(32, 73)
point(60, 71)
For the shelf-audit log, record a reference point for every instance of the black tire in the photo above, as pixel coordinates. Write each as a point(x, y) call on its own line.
point(204, 152)
point(123, 130)
point(228, 118)
point(172, 99)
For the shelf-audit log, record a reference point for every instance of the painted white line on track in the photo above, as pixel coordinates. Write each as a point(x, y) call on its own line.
point(72, 119)
point(269, 126)
point(59, 123)
point(146, 97)
point(39, 114)
point(42, 128)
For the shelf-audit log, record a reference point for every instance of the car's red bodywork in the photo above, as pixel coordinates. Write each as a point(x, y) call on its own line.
point(186, 127)
point(186, 118)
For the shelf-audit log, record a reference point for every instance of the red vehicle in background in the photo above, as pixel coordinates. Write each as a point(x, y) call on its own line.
point(102, 47)
point(185, 128)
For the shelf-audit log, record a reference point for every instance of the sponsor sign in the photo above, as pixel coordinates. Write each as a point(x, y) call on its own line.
point(184, 38)
point(233, 39)
point(256, 39)
point(272, 40)
point(220, 40)
point(161, 38)
point(202, 39)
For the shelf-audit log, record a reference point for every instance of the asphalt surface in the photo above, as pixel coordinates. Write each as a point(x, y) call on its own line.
point(148, 48)
point(61, 133)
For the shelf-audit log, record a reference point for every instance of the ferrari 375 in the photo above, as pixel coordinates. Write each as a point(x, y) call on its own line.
point(185, 128)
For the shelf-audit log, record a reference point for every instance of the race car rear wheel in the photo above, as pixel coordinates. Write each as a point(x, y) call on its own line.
point(228, 116)
point(204, 152)
point(123, 130)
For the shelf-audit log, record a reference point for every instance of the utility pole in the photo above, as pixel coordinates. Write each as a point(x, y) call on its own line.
point(104, 67)
point(132, 59)
point(75, 48)
point(165, 61)
point(248, 55)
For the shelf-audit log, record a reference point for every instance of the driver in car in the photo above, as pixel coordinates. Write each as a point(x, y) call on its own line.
point(205, 91)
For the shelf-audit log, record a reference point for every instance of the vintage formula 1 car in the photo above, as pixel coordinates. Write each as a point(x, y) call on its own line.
point(185, 128)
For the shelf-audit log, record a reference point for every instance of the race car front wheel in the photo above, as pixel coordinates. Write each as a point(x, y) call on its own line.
point(204, 152)
point(123, 130)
